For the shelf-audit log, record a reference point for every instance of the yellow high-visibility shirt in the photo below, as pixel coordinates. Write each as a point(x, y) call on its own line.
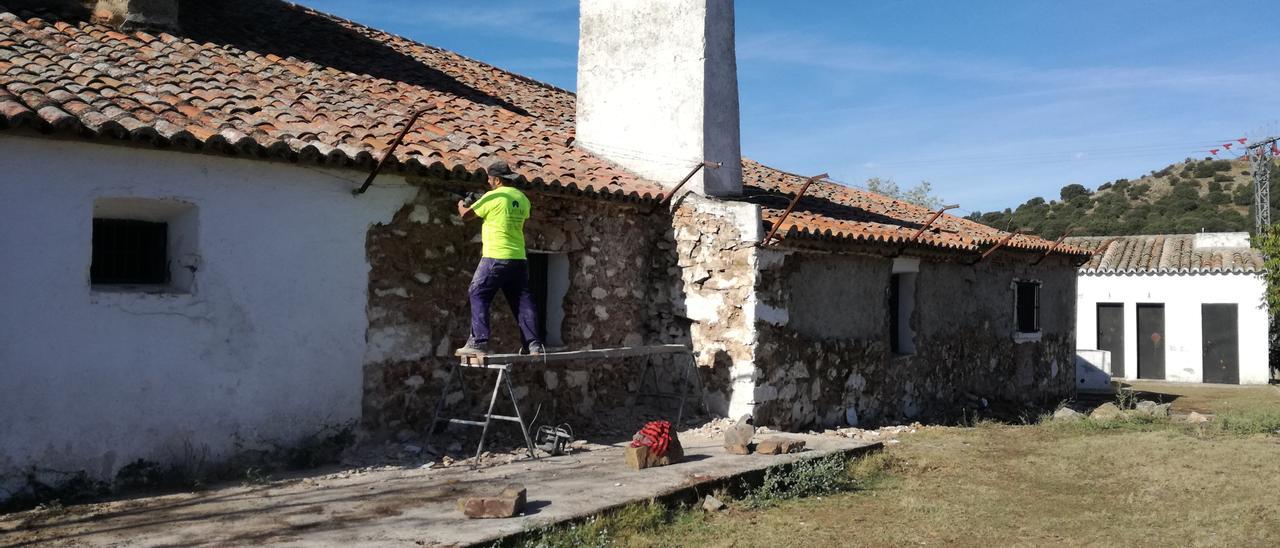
point(504, 210)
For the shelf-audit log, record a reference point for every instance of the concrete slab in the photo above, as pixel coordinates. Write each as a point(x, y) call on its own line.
point(413, 507)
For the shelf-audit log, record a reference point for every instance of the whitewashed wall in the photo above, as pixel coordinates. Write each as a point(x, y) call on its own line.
point(268, 346)
point(1182, 295)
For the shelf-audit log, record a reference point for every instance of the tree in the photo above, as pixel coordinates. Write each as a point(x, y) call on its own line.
point(1073, 190)
point(1269, 244)
point(921, 194)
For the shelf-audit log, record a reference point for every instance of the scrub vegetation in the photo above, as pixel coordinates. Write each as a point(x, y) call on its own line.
point(1131, 481)
point(1194, 195)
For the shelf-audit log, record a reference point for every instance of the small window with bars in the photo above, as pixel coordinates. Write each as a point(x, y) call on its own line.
point(1027, 306)
point(129, 252)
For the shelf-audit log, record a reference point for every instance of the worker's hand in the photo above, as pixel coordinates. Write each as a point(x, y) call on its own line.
point(463, 210)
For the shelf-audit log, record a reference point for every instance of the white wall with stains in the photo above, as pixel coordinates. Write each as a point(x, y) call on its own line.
point(1182, 295)
point(264, 344)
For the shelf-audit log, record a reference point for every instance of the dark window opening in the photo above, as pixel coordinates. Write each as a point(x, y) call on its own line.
point(538, 287)
point(549, 284)
point(129, 252)
point(895, 305)
point(1027, 306)
point(902, 303)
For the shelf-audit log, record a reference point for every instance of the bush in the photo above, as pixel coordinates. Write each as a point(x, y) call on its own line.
point(803, 478)
point(1242, 194)
point(1203, 170)
point(1223, 178)
point(1138, 191)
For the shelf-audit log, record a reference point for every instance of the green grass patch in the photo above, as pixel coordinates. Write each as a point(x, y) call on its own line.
point(634, 523)
point(1244, 422)
point(1247, 423)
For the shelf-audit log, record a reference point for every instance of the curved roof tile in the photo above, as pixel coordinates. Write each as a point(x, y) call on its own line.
point(1164, 254)
point(268, 78)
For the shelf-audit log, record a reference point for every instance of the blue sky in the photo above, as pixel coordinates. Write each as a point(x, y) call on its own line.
point(992, 101)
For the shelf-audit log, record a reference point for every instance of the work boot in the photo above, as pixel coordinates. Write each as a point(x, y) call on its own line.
point(536, 348)
point(473, 348)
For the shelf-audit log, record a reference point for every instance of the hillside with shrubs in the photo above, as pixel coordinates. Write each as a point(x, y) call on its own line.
point(1190, 196)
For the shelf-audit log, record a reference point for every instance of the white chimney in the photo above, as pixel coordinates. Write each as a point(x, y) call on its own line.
point(658, 89)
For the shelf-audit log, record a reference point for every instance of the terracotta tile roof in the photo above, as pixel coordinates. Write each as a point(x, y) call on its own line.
point(1164, 254)
point(837, 212)
point(267, 78)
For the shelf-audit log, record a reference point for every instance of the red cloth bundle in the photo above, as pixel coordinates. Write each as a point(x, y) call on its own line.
point(656, 435)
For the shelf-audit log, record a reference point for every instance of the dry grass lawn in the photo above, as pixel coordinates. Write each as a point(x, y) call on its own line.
point(1135, 483)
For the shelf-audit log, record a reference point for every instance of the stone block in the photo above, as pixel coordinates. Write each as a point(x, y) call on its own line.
point(792, 445)
point(642, 457)
point(779, 445)
point(769, 446)
point(506, 504)
point(738, 449)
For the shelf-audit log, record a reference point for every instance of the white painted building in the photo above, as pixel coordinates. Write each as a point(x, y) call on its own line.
point(1186, 308)
point(258, 335)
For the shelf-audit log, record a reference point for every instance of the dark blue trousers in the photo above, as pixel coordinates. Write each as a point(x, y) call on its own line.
point(511, 276)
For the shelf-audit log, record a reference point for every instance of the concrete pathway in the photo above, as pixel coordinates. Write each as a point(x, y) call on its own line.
point(410, 507)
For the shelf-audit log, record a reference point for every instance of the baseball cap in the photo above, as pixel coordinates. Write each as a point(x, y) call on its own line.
point(500, 169)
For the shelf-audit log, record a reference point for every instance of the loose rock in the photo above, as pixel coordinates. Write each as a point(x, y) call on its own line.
point(1067, 414)
point(712, 504)
point(792, 446)
point(1106, 412)
point(769, 446)
point(1197, 418)
point(508, 503)
point(737, 438)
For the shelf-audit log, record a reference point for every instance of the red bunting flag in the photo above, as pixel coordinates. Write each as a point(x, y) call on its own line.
point(1275, 149)
point(1213, 151)
point(1226, 146)
point(1242, 140)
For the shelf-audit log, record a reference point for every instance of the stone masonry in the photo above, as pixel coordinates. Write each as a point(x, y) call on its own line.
point(620, 264)
point(797, 337)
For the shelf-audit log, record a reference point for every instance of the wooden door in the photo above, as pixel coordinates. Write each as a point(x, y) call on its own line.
point(1220, 329)
point(1111, 334)
point(1151, 341)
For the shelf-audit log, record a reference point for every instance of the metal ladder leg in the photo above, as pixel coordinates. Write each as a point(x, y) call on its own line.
point(488, 417)
point(524, 429)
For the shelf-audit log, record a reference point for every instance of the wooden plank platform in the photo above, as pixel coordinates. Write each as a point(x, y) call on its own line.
point(598, 353)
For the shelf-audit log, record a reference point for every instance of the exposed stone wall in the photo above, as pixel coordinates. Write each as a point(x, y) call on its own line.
point(718, 261)
point(620, 267)
point(830, 361)
point(799, 339)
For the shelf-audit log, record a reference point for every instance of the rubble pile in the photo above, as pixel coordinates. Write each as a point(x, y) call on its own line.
point(883, 433)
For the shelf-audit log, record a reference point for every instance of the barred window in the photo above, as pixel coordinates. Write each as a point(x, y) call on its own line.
point(129, 252)
point(1027, 306)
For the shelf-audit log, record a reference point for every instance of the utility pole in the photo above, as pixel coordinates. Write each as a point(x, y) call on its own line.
point(1262, 152)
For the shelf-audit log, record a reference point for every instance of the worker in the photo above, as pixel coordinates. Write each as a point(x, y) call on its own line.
point(503, 265)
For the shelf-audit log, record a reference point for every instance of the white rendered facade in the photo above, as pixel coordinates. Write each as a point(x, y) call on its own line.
point(1182, 295)
point(262, 340)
